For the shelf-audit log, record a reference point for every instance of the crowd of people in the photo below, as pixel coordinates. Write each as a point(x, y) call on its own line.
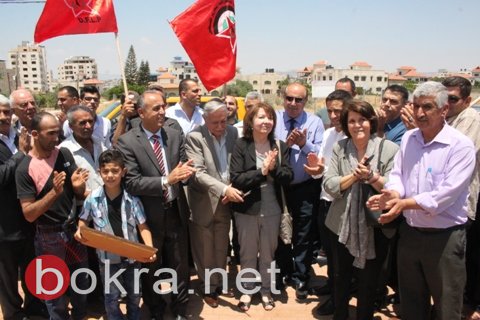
point(387, 195)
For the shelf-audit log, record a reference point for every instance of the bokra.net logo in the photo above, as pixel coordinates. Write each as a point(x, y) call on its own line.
point(47, 277)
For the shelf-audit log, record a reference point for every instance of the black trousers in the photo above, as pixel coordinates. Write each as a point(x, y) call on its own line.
point(302, 200)
point(325, 238)
point(367, 277)
point(431, 264)
point(472, 288)
point(14, 257)
point(171, 243)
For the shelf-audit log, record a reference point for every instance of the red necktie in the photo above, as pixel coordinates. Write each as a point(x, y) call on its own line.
point(157, 149)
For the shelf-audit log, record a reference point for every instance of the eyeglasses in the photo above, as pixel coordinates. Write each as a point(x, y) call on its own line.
point(297, 100)
point(453, 99)
point(94, 99)
point(25, 104)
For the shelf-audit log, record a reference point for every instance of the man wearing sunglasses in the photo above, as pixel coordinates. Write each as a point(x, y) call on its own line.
point(467, 120)
point(303, 133)
point(90, 97)
point(187, 111)
point(24, 107)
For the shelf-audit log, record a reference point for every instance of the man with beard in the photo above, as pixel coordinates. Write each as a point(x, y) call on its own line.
point(47, 182)
point(187, 111)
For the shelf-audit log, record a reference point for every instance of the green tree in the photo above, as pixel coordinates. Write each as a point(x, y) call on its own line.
point(46, 100)
point(131, 70)
point(410, 85)
point(115, 92)
point(143, 73)
point(239, 89)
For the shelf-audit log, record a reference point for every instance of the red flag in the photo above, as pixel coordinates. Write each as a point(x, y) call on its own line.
point(206, 31)
point(60, 17)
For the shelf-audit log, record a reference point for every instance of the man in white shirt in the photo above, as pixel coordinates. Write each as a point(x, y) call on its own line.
point(251, 99)
point(187, 112)
point(90, 97)
point(316, 166)
point(84, 148)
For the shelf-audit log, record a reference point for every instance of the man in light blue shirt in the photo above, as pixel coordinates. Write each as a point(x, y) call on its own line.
point(303, 133)
point(429, 184)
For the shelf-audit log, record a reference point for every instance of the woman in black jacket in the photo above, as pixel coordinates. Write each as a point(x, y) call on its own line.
point(259, 169)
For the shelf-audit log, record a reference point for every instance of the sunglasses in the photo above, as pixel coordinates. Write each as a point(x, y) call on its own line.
point(453, 99)
point(94, 99)
point(297, 100)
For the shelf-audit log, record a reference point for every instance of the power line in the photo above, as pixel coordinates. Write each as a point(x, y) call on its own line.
point(21, 1)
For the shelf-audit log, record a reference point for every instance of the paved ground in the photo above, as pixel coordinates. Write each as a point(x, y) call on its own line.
point(286, 306)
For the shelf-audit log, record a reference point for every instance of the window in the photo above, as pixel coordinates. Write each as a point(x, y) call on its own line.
point(324, 78)
point(356, 78)
point(255, 82)
point(267, 82)
point(363, 78)
point(267, 91)
point(379, 89)
point(330, 78)
point(379, 79)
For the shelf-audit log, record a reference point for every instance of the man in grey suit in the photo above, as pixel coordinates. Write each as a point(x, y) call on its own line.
point(210, 147)
point(156, 162)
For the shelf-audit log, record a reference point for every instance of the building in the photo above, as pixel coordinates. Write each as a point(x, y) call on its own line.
point(29, 63)
point(267, 83)
point(411, 74)
point(324, 76)
point(182, 69)
point(476, 74)
point(75, 70)
point(7, 85)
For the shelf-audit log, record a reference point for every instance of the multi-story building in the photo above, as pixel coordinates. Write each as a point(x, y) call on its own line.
point(75, 70)
point(370, 80)
point(29, 62)
point(476, 74)
point(7, 85)
point(182, 69)
point(267, 83)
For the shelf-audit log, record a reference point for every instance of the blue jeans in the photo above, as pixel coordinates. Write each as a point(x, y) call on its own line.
point(58, 241)
point(127, 285)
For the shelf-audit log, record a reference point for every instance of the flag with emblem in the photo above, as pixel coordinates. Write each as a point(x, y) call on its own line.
point(62, 17)
point(206, 31)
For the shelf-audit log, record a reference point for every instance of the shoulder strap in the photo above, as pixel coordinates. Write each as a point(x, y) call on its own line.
point(380, 148)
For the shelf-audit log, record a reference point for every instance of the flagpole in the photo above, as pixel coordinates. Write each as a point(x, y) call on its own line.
point(122, 69)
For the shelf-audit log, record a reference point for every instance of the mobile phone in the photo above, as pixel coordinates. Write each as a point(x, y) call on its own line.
point(246, 193)
point(367, 162)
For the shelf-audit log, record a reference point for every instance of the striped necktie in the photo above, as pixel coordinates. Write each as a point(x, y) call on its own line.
point(157, 149)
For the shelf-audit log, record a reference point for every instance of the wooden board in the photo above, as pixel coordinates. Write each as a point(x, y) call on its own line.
point(120, 246)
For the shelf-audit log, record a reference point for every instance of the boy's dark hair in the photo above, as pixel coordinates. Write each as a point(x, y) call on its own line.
point(109, 156)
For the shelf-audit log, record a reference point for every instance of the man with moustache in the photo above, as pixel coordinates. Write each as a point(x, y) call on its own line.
point(16, 234)
point(84, 148)
point(232, 107)
point(429, 185)
point(303, 133)
point(90, 97)
point(210, 147)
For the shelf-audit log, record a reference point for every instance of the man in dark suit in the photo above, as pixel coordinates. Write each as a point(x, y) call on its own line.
point(156, 162)
point(210, 147)
point(16, 234)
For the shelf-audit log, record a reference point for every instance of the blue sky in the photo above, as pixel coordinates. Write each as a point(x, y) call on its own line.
point(281, 34)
